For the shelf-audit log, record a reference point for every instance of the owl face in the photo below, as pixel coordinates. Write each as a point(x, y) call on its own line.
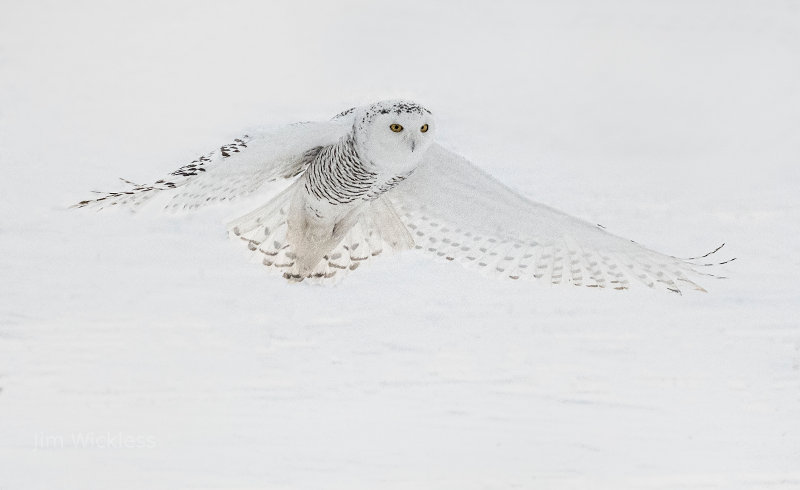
point(394, 135)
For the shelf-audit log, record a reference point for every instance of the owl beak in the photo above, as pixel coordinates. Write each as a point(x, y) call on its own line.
point(413, 145)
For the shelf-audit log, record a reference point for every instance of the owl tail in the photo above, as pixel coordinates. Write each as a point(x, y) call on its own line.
point(377, 230)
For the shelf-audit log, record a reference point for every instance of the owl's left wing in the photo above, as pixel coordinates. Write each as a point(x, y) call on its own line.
point(456, 211)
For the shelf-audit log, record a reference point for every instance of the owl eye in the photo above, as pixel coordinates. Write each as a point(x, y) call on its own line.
point(424, 128)
point(396, 128)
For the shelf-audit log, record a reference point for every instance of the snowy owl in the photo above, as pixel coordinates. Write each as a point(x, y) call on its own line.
point(371, 180)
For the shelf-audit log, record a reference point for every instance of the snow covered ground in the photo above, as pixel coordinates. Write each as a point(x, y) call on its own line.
point(145, 352)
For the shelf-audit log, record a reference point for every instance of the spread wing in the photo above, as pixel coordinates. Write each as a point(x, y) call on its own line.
point(456, 211)
point(232, 170)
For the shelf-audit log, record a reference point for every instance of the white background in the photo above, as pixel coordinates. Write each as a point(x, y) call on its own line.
point(673, 123)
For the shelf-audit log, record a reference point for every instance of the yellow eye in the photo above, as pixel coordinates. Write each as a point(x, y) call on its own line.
point(424, 128)
point(396, 128)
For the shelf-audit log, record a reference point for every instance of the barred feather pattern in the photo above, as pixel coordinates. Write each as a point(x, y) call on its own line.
point(264, 231)
point(338, 175)
point(138, 194)
point(556, 262)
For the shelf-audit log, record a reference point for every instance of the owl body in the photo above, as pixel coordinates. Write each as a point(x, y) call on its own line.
point(373, 180)
point(343, 178)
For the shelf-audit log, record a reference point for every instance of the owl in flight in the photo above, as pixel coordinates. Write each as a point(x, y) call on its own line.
point(373, 179)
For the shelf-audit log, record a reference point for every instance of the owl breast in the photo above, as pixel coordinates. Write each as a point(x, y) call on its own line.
point(337, 176)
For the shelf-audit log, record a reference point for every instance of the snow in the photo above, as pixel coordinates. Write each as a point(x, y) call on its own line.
point(145, 352)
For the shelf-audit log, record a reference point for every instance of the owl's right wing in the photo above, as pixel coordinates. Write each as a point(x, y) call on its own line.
point(232, 170)
point(456, 211)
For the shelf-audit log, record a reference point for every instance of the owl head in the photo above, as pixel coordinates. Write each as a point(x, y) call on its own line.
point(393, 134)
